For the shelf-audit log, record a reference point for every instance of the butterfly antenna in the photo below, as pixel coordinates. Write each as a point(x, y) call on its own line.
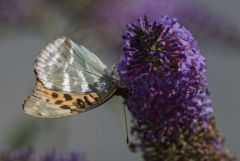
point(126, 125)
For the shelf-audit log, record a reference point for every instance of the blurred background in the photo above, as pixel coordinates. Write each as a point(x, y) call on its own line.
point(27, 25)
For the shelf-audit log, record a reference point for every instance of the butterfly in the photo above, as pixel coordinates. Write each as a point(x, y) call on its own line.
point(70, 80)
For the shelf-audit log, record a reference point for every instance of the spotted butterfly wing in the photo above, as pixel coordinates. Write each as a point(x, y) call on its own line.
point(70, 80)
point(64, 66)
point(47, 103)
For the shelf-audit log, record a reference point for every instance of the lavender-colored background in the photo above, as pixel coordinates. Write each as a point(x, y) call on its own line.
point(101, 132)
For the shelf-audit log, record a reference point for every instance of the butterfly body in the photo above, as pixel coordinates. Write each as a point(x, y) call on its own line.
point(70, 80)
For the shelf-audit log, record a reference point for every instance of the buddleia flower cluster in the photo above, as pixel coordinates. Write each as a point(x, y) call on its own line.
point(27, 154)
point(165, 75)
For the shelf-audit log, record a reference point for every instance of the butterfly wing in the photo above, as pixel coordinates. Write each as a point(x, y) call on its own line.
point(64, 66)
point(46, 103)
point(70, 80)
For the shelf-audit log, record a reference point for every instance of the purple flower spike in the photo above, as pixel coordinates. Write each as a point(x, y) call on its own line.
point(165, 75)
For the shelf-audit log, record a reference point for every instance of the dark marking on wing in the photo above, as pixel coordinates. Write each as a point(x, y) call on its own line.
point(54, 95)
point(80, 104)
point(67, 97)
point(87, 100)
point(65, 107)
point(58, 102)
point(95, 98)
